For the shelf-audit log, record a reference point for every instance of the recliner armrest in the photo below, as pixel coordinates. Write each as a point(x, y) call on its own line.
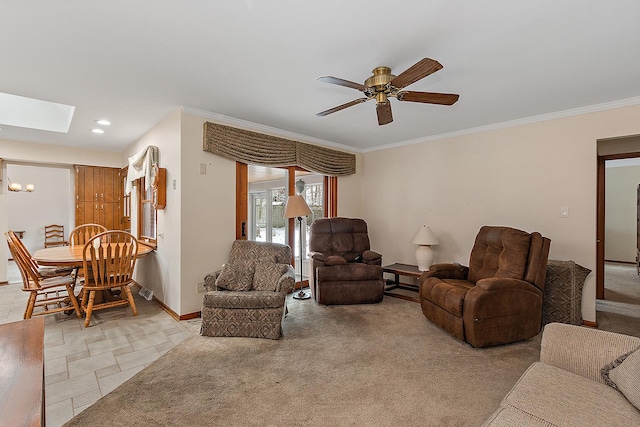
point(287, 281)
point(446, 271)
point(498, 283)
point(371, 257)
point(318, 256)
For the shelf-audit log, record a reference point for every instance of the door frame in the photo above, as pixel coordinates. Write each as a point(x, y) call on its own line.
point(600, 216)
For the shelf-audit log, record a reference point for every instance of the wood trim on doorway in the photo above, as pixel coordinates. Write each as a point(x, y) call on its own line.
point(600, 216)
point(242, 194)
point(330, 196)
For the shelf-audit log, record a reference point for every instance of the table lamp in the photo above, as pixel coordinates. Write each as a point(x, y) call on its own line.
point(296, 207)
point(425, 255)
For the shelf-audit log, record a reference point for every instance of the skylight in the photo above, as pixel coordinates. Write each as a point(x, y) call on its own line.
point(34, 113)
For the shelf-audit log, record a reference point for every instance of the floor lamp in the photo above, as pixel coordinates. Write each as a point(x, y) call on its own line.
point(297, 207)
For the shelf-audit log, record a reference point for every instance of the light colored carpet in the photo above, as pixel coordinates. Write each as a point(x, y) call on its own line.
point(374, 365)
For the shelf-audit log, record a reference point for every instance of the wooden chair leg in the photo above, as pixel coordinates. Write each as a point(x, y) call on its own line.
point(33, 295)
point(84, 299)
point(74, 301)
point(129, 295)
point(92, 296)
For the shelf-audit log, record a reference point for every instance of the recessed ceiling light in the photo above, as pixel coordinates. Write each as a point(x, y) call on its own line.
point(103, 122)
point(96, 130)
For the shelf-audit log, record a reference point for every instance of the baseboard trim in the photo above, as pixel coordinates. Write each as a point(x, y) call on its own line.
point(4, 283)
point(590, 324)
point(171, 313)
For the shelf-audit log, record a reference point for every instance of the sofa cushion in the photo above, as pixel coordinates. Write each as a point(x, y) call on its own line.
point(624, 374)
point(499, 252)
point(236, 275)
point(447, 294)
point(243, 300)
point(562, 398)
point(349, 272)
point(267, 274)
point(248, 249)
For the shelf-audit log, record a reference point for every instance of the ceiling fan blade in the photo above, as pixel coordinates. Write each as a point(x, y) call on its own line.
point(342, 82)
point(384, 113)
point(428, 97)
point(417, 71)
point(342, 107)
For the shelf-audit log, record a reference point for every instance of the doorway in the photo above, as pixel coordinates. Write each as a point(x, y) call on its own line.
point(267, 194)
point(617, 279)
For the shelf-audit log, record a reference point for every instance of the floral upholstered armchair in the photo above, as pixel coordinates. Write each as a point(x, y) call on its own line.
point(247, 296)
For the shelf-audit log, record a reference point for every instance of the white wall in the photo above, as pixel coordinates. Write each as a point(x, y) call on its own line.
point(43, 155)
point(50, 203)
point(519, 176)
point(621, 213)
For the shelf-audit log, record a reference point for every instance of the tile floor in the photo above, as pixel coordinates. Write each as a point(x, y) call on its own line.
point(83, 364)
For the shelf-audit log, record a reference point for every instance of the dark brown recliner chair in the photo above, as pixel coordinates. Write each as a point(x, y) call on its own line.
point(343, 268)
point(498, 298)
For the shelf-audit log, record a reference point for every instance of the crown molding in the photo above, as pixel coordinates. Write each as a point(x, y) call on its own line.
point(267, 130)
point(512, 123)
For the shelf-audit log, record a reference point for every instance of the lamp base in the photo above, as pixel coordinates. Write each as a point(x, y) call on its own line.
point(302, 295)
point(425, 257)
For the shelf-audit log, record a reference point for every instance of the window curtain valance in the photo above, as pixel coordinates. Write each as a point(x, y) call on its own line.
point(256, 148)
point(140, 165)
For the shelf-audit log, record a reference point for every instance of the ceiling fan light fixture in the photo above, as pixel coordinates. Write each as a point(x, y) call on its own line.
point(381, 98)
point(382, 84)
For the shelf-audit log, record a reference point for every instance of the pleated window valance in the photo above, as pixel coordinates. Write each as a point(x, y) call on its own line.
point(256, 148)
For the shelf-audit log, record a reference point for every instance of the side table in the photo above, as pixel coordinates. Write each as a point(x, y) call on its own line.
point(398, 270)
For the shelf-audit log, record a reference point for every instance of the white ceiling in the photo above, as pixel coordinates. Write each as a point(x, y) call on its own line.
point(134, 62)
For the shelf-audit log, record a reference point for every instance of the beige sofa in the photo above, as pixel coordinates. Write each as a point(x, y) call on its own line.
point(567, 388)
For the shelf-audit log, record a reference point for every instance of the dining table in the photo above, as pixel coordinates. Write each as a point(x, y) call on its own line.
point(71, 256)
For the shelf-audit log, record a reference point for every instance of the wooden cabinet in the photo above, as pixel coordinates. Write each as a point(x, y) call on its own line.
point(99, 196)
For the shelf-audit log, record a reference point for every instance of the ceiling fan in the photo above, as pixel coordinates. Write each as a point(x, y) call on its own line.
point(383, 85)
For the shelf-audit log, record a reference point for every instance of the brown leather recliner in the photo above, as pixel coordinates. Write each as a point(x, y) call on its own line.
point(343, 268)
point(498, 298)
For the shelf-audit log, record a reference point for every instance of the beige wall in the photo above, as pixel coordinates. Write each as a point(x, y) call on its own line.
point(519, 176)
point(160, 271)
point(208, 223)
point(621, 210)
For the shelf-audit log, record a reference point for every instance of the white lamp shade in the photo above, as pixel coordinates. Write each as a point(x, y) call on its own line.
point(296, 206)
point(424, 236)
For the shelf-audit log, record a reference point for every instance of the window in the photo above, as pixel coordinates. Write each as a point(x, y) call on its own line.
point(260, 197)
point(148, 217)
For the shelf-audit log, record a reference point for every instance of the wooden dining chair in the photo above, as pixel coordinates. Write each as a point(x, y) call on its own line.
point(108, 261)
point(52, 294)
point(54, 236)
point(82, 233)
point(43, 271)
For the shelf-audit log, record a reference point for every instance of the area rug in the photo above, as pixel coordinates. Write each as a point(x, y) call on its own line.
point(376, 365)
